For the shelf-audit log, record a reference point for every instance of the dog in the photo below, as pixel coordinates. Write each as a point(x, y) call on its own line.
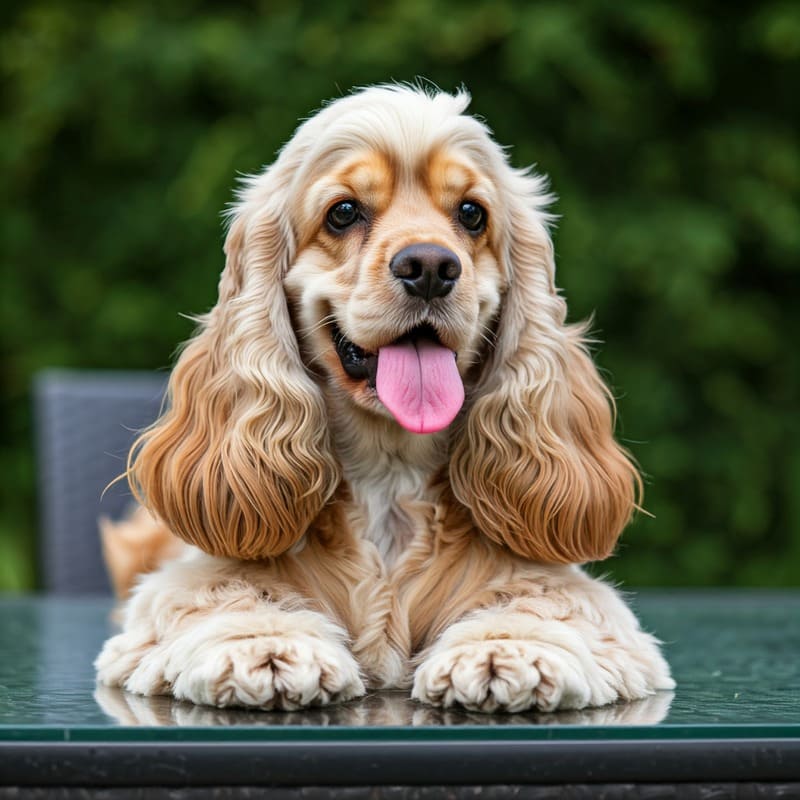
point(386, 452)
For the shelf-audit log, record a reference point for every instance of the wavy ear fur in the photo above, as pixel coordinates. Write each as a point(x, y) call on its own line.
point(240, 463)
point(535, 459)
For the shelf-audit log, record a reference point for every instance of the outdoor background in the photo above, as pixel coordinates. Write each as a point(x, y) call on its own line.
point(671, 134)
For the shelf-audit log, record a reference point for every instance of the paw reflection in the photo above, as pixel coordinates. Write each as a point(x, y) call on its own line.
point(377, 710)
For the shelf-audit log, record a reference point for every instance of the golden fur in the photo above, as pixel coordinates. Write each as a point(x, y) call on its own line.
point(340, 548)
point(134, 547)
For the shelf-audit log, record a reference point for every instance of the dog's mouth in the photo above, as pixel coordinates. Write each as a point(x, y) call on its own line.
point(362, 365)
point(415, 377)
point(356, 362)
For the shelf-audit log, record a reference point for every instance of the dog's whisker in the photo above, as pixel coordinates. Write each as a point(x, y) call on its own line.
point(315, 359)
point(486, 338)
point(308, 330)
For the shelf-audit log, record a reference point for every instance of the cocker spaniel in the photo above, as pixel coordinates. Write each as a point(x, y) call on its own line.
point(388, 451)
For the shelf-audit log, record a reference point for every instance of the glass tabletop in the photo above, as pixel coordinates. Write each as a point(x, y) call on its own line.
point(735, 656)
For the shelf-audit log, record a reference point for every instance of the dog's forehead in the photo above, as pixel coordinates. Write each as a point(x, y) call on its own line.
point(441, 170)
point(406, 125)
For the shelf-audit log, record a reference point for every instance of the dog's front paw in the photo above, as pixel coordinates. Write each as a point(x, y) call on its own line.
point(287, 672)
point(121, 656)
point(507, 675)
point(279, 671)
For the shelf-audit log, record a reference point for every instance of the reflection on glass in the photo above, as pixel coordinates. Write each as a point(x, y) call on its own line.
point(376, 710)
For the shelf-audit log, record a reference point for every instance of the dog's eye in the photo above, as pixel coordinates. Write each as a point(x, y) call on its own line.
point(343, 215)
point(472, 216)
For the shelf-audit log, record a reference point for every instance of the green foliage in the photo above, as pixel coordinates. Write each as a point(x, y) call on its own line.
point(669, 130)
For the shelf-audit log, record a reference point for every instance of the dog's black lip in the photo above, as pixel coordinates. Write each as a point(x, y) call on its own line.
point(362, 365)
point(424, 331)
point(356, 362)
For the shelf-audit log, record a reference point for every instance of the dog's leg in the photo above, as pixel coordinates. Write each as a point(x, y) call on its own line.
point(207, 630)
point(528, 636)
point(308, 628)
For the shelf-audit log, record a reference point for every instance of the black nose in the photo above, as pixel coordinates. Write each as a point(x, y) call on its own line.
point(426, 270)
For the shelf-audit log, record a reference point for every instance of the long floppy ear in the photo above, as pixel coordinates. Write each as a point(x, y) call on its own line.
point(535, 459)
point(240, 463)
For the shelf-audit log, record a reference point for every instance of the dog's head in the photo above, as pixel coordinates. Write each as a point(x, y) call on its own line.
point(392, 259)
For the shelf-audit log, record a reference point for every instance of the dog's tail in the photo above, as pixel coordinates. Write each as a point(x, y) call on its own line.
point(134, 546)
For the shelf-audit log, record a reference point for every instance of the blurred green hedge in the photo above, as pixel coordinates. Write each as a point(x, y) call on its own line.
point(669, 130)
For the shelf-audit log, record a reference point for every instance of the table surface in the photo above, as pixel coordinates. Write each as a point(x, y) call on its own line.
point(735, 715)
point(735, 657)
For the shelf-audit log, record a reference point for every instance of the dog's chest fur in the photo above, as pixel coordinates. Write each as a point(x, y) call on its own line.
point(383, 508)
point(388, 476)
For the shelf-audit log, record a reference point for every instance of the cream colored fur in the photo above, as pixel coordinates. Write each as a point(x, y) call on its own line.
point(327, 549)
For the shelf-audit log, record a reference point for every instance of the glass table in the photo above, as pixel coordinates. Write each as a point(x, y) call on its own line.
point(734, 717)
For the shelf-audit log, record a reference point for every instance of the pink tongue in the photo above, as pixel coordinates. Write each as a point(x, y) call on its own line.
point(419, 383)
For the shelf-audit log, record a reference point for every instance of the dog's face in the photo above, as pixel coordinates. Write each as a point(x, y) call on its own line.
point(397, 279)
point(392, 253)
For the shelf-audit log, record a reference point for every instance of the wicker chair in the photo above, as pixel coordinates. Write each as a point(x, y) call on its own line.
point(85, 424)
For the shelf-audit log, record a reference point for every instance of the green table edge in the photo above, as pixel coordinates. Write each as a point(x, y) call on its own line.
point(473, 733)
